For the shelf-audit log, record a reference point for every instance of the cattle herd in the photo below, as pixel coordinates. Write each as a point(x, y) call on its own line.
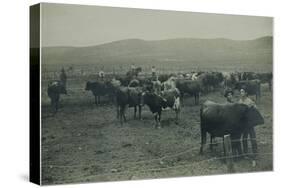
point(167, 91)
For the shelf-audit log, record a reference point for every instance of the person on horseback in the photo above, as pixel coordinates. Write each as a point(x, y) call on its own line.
point(101, 75)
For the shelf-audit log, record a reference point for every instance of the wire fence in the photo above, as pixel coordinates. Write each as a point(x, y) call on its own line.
point(133, 171)
point(106, 163)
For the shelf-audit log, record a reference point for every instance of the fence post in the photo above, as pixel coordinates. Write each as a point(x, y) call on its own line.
point(228, 153)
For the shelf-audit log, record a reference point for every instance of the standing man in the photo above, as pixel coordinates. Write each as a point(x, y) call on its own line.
point(244, 99)
point(133, 67)
point(63, 79)
point(153, 71)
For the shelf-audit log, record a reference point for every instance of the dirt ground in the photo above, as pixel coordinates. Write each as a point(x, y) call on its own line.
point(86, 143)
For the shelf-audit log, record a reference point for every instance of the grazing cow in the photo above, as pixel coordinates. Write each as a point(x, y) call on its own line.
point(191, 87)
point(156, 103)
point(99, 89)
point(229, 118)
point(252, 87)
point(54, 90)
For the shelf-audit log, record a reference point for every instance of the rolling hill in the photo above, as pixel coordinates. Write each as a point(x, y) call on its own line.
point(181, 51)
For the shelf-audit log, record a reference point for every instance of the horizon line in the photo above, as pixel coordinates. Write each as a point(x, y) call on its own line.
point(222, 38)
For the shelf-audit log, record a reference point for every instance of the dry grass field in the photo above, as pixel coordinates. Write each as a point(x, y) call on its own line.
point(84, 142)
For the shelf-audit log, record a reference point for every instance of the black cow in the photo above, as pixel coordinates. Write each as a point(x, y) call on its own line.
point(156, 103)
point(164, 77)
point(55, 89)
point(133, 73)
point(252, 87)
point(127, 96)
point(99, 88)
point(266, 78)
point(211, 80)
point(230, 118)
point(191, 87)
point(124, 80)
point(248, 76)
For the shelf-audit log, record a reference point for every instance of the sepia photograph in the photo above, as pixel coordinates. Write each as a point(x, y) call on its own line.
point(130, 94)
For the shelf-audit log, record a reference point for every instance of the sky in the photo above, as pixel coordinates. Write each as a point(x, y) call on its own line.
point(80, 25)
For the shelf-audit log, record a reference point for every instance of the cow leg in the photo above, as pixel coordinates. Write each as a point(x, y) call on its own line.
point(245, 141)
point(96, 103)
point(139, 111)
point(123, 113)
point(156, 120)
point(224, 152)
point(135, 112)
point(177, 116)
point(182, 99)
point(211, 142)
point(54, 106)
point(203, 140)
point(118, 111)
point(159, 119)
point(56, 103)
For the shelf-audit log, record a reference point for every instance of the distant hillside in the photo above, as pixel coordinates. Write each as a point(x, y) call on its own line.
point(181, 51)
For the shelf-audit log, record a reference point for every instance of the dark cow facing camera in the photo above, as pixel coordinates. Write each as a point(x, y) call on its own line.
point(230, 118)
point(156, 103)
